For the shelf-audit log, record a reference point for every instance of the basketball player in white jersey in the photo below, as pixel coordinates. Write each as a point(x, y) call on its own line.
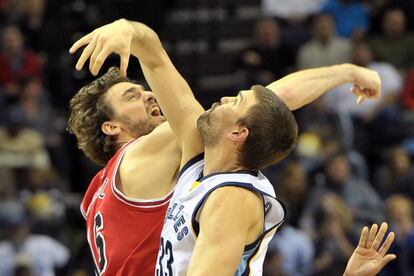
point(246, 204)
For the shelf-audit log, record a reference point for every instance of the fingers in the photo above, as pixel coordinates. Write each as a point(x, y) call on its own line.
point(363, 238)
point(360, 99)
point(85, 54)
point(381, 233)
point(358, 92)
point(362, 93)
point(124, 64)
point(384, 248)
point(388, 258)
point(81, 42)
point(93, 57)
point(100, 59)
point(371, 236)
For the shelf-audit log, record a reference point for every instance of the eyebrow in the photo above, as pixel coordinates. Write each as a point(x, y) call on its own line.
point(128, 91)
point(131, 90)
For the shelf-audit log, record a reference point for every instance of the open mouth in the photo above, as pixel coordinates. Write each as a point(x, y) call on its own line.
point(155, 112)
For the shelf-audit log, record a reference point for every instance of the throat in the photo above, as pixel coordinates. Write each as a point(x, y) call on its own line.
point(219, 160)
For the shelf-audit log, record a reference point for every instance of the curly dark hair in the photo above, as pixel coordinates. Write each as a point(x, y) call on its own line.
point(88, 111)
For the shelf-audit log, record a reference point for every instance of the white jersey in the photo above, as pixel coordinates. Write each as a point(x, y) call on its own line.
point(181, 227)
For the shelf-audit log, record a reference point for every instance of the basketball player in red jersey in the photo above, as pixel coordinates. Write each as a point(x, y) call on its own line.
point(118, 124)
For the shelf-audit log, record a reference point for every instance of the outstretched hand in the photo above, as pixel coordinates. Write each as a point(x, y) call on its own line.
point(369, 258)
point(115, 38)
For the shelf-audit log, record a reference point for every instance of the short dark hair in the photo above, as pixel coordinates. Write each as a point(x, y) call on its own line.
point(88, 111)
point(272, 128)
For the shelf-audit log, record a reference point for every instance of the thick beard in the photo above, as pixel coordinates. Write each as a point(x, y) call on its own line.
point(141, 127)
point(208, 133)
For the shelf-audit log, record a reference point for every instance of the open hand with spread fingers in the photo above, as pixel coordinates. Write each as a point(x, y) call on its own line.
point(369, 258)
point(115, 38)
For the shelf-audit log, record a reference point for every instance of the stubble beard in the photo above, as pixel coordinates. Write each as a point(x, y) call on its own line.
point(208, 133)
point(141, 127)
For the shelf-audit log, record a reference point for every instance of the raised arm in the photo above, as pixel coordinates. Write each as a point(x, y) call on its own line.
point(303, 87)
point(172, 92)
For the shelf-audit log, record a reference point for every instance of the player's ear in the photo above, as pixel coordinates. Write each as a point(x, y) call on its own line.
point(239, 135)
point(111, 128)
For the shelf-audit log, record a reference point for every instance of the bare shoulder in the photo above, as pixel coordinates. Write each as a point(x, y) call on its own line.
point(233, 210)
point(233, 200)
point(150, 165)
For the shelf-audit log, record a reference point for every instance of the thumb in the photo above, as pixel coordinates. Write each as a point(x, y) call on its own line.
point(387, 259)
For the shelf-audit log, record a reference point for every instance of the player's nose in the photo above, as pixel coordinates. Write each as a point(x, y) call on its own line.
point(225, 100)
point(149, 96)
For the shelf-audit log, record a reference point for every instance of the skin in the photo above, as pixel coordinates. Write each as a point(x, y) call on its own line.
point(182, 111)
point(369, 257)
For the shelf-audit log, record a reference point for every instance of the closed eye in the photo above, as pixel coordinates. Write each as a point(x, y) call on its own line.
point(134, 95)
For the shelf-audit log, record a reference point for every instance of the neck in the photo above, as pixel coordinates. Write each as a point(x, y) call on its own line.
point(123, 138)
point(218, 160)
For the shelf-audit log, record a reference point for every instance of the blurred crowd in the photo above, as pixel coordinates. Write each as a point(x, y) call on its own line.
point(353, 164)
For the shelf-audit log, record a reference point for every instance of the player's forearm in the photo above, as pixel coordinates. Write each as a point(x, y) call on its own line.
point(303, 87)
point(170, 89)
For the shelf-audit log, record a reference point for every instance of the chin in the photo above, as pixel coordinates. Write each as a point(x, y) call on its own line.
point(161, 119)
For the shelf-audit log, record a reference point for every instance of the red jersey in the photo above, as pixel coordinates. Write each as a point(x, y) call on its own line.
point(123, 233)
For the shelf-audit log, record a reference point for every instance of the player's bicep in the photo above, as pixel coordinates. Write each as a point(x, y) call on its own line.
point(225, 221)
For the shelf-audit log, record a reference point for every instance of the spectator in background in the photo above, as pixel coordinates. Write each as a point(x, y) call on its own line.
point(373, 121)
point(16, 62)
point(43, 197)
point(358, 194)
point(400, 215)
point(378, 8)
point(40, 116)
point(295, 249)
point(391, 83)
point(35, 106)
point(293, 191)
point(397, 175)
point(334, 243)
point(294, 11)
point(21, 146)
point(38, 254)
point(351, 17)
point(408, 92)
point(272, 264)
point(268, 58)
point(394, 45)
point(10, 207)
point(33, 25)
point(319, 118)
point(10, 11)
point(325, 48)
point(294, 17)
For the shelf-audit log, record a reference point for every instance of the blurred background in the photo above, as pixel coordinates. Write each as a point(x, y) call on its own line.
point(353, 164)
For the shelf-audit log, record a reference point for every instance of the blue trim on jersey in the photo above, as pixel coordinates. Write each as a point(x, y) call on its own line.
point(249, 186)
point(202, 177)
point(245, 265)
point(191, 162)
